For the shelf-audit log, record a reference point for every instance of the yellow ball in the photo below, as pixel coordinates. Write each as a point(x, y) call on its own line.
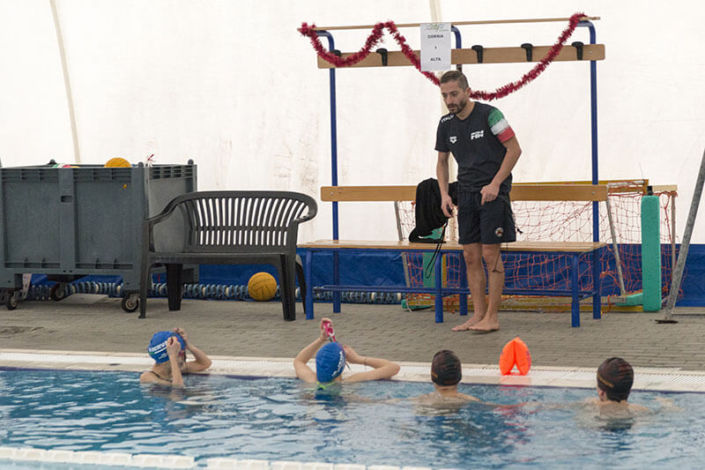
point(117, 162)
point(262, 286)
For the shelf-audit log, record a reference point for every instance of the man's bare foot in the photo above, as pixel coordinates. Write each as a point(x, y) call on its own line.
point(485, 326)
point(466, 326)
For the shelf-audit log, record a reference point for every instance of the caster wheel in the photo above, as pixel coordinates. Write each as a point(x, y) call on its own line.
point(130, 304)
point(11, 302)
point(58, 292)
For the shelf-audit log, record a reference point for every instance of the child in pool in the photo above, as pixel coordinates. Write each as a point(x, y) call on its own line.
point(446, 372)
point(615, 378)
point(168, 349)
point(330, 362)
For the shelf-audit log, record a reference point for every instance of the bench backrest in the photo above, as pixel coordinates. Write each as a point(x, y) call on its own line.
point(520, 192)
point(236, 221)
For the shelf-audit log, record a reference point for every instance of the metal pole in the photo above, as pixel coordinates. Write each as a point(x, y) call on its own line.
point(683, 253)
point(672, 197)
point(615, 246)
point(400, 233)
point(67, 82)
point(596, 306)
point(333, 131)
point(593, 131)
point(333, 167)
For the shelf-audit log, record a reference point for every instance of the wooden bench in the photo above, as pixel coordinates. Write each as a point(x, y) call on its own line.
point(520, 192)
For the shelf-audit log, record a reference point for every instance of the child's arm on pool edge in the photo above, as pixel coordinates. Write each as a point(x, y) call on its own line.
point(382, 368)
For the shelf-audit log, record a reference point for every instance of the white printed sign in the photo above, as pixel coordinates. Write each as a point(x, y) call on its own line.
point(435, 46)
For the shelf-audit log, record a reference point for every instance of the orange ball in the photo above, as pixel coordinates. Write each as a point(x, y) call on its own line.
point(262, 286)
point(117, 162)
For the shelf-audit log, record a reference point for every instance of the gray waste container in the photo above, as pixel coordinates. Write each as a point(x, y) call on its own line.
point(83, 220)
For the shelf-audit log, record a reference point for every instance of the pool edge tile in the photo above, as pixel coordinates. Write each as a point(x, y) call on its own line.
point(661, 379)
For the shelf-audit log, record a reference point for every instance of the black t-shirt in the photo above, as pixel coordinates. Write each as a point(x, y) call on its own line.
point(476, 145)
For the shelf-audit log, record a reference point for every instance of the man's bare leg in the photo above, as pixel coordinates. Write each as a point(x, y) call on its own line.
point(472, 254)
point(495, 269)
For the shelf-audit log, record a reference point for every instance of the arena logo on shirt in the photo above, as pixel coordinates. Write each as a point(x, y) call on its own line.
point(477, 135)
point(453, 139)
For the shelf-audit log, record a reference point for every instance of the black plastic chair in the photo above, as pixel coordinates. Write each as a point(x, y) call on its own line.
point(227, 227)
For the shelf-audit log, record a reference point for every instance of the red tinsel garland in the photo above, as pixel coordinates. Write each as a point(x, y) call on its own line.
point(371, 41)
point(376, 36)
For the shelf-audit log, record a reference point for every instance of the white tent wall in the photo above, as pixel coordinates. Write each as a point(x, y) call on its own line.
point(232, 85)
point(35, 121)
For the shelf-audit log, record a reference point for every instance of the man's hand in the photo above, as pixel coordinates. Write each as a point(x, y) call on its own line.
point(447, 205)
point(489, 193)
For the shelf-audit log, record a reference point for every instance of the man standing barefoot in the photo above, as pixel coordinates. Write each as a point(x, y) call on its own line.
point(486, 149)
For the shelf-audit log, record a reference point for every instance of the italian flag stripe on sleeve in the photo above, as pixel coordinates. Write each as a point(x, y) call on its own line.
point(499, 126)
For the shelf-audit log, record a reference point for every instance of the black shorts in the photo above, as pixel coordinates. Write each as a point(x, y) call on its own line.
point(489, 223)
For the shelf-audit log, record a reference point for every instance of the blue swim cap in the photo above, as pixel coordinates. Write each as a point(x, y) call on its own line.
point(157, 345)
point(330, 361)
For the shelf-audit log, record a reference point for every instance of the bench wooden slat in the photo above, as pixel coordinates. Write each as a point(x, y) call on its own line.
point(564, 192)
point(539, 246)
point(368, 193)
point(520, 192)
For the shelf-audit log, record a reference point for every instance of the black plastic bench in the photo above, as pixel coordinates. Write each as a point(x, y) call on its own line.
point(227, 227)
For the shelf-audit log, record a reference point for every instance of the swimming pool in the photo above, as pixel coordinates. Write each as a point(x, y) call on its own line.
point(279, 419)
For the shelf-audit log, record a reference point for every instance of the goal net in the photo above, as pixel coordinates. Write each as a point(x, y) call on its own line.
point(620, 261)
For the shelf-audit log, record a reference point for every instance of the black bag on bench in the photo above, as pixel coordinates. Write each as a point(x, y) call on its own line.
point(428, 213)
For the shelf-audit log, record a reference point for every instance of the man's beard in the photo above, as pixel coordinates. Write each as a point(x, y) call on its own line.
point(458, 107)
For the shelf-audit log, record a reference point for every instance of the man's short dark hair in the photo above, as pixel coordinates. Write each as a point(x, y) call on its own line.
point(615, 377)
point(455, 76)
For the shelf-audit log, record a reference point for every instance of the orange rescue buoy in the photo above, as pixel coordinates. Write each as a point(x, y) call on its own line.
point(515, 353)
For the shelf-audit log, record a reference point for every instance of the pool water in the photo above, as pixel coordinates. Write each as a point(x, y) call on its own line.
point(369, 423)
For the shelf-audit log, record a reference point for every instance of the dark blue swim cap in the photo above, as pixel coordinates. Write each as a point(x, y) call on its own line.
point(157, 345)
point(330, 361)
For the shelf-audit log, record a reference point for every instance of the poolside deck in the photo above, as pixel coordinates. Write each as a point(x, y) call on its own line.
point(248, 329)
